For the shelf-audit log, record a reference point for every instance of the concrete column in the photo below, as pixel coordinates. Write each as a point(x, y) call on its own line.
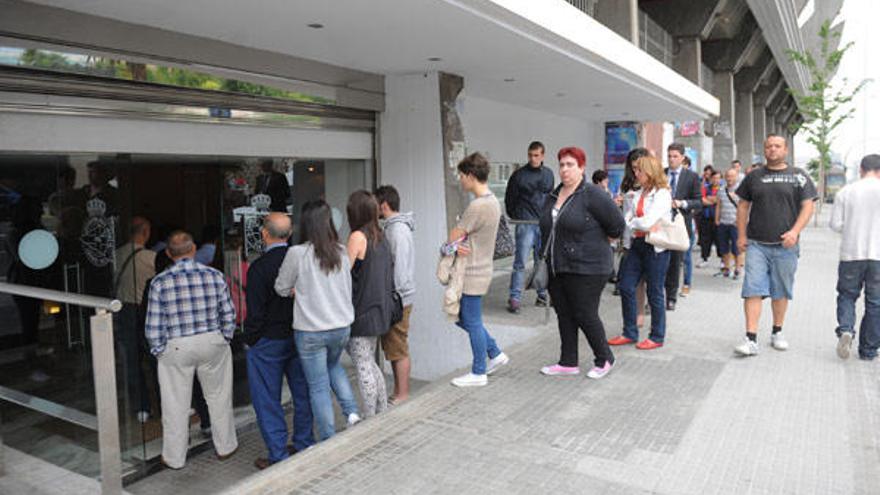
point(621, 16)
point(688, 60)
point(745, 128)
point(724, 148)
point(760, 119)
point(791, 156)
point(450, 87)
point(771, 123)
point(411, 151)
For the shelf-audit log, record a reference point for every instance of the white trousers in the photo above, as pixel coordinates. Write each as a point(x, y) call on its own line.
point(207, 355)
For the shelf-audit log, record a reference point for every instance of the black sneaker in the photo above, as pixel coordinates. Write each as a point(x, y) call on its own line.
point(542, 302)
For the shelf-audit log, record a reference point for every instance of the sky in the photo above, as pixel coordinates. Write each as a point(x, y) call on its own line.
point(859, 135)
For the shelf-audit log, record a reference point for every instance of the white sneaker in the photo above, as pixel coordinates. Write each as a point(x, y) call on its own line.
point(143, 416)
point(471, 380)
point(777, 340)
point(597, 372)
point(353, 419)
point(497, 362)
point(843, 344)
point(748, 347)
point(702, 264)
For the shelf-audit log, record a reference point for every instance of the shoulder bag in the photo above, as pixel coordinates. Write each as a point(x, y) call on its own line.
point(670, 235)
point(504, 245)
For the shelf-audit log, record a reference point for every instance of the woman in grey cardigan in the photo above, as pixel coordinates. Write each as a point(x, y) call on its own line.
point(316, 274)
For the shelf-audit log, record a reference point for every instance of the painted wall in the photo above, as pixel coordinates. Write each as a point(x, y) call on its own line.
point(504, 131)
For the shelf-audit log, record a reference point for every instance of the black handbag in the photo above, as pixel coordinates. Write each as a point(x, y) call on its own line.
point(539, 277)
point(396, 312)
point(504, 245)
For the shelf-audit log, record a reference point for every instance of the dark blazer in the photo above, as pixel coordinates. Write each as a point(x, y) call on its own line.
point(275, 185)
point(688, 189)
point(585, 222)
point(268, 314)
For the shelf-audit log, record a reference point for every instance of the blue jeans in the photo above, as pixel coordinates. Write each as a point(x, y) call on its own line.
point(641, 261)
point(528, 240)
point(852, 276)
point(470, 319)
point(319, 353)
point(268, 362)
point(770, 270)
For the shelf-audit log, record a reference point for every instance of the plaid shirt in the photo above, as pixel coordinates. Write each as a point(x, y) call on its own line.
point(187, 299)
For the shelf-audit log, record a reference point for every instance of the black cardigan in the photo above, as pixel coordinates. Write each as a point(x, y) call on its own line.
point(585, 222)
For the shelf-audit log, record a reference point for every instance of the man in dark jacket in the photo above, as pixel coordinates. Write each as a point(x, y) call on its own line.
point(527, 189)
point(272, 355)
point(687, 199)
point(274, 184)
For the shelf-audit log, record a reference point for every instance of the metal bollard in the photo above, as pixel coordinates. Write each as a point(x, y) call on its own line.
point(104, 368)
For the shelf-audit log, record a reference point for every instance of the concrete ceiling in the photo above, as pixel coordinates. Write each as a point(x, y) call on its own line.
point(576, 67)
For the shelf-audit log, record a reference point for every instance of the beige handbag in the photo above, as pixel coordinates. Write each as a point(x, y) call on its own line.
point(671, 235)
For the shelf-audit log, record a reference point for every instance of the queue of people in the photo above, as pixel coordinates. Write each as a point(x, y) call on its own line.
point(309, 302)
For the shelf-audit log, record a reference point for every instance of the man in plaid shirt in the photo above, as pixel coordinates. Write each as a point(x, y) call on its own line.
point(190, 321)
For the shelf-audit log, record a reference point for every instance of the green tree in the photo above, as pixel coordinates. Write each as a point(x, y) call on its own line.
point(824, 107)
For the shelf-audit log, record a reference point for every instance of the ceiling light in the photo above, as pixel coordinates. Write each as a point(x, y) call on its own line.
point(434, 59)
point(315, 25)
point(560, 95)
point(597, 105)
point(625, 114)
point(509, 79)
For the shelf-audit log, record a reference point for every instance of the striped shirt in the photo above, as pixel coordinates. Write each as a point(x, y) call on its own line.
point(187, 299)
point(727, 215)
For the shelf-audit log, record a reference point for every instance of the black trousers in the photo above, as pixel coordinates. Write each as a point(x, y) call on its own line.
point(708, 237)
point(576, 301)
point(673, 275)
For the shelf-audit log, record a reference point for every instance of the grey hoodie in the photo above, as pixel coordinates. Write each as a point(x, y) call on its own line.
point(399, 232)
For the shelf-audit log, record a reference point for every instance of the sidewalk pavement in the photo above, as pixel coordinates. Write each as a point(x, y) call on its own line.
point(687, 418)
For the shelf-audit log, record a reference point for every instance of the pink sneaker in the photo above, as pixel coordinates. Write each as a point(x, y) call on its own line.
point(598, 372)
point(557, 370)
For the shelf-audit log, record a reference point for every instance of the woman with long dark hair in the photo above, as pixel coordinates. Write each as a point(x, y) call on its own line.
point(372, 276)
point(315, 272)
point(628, 187)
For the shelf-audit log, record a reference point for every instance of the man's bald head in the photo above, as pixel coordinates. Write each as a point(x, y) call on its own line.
point(181, 245)
point(276, 227)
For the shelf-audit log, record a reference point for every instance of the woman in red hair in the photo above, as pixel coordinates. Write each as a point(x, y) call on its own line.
point(577, 221)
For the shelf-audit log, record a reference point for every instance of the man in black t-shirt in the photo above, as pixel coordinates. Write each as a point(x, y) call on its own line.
point(776, 202)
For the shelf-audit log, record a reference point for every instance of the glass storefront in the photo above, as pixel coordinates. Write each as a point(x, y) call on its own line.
point(67, 222)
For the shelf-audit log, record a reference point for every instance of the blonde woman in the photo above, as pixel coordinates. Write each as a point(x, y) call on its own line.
point(653, 202)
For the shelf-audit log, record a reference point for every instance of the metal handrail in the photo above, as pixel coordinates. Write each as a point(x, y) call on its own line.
point(104, 376)
point(112, 305)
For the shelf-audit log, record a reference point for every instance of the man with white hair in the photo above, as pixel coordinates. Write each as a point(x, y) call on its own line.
point(271, 356)
point(190, 321)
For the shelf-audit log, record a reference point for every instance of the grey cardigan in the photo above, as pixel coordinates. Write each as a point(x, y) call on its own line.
point(322, 301)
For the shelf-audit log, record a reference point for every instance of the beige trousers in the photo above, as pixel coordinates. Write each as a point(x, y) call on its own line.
point(208, 355)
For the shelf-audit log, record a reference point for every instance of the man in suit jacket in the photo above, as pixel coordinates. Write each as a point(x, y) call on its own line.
point(687, 199)
point(271, 355)
point(274, 184)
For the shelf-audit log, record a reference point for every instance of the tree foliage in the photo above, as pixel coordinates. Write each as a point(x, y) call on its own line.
point(824, 107)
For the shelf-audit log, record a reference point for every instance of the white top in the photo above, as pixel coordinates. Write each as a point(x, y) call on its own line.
point(658, 204)
point(855, 214)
